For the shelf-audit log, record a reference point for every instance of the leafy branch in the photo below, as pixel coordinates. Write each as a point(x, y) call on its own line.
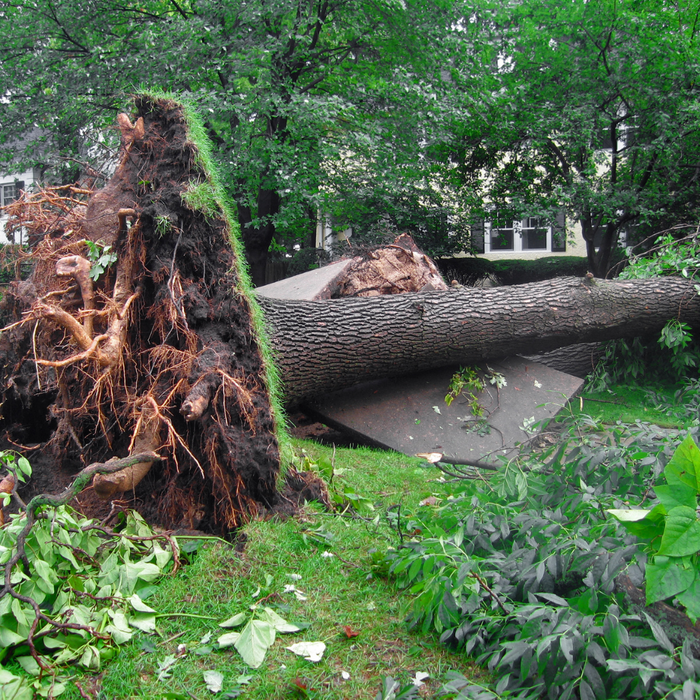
point(69, 583)
point(527, 577)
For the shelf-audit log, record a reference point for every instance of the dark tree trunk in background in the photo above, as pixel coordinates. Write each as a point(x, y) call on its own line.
point(257, 239)
point(325, 345)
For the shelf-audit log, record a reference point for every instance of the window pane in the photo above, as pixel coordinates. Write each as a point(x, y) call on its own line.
point(502, 239)
point(8, 194)
point(534, 239)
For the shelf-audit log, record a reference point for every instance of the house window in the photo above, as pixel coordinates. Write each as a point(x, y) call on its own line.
point(8, 194)
point(534, 234)
point(504, 235)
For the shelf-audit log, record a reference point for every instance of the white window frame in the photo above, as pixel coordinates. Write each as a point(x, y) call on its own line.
point(3, 185)
point(517, 227)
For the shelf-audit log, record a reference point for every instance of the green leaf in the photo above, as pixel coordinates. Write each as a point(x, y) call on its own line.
point(690, 599)
point(255, 639)
point(24, 466)
point(119, 629)
point(141, 571)
point(684, 466)
point(228, 639)
point(146, 622)
point(138, 605)
point(164, 667)
point(554, 599)
point(29, 664)
point(46, 573)
point(585, 691)
point(13, 687)
point(234, 621)
point(667, 577)
point(646, 524)
point(613, 633)
point(311, 651)
point(682, 533)
point(672, 496)
point(659, 635)
point(279, 623)
point(90, 658)
point(622, 665)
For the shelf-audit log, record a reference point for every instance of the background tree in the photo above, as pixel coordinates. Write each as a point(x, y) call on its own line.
point(595, 112)
point(288, 87)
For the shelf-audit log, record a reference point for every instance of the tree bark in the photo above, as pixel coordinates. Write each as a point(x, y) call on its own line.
point(326, 345)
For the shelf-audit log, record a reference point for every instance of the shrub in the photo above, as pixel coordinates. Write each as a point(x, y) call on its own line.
point(467, 271)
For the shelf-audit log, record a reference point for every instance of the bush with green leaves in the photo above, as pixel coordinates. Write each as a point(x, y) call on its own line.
point(675, 353)
point(520, 572)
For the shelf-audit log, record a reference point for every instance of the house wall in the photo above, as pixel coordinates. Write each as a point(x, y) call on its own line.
point(28, 177)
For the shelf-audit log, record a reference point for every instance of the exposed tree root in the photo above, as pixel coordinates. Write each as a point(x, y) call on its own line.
point(156, 353)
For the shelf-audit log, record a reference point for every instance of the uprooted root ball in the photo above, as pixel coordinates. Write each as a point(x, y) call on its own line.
point(134, 334)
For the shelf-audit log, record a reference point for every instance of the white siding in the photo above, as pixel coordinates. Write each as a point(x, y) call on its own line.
point(7, 180)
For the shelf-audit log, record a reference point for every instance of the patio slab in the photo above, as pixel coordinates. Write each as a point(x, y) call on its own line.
point(409, 414)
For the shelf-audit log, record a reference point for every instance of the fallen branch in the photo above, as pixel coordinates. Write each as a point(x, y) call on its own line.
point(31, 514)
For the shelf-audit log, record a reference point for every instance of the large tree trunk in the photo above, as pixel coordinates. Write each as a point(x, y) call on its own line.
point(325, 345)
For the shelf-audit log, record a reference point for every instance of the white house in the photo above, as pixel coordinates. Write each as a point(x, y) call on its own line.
point(11, 184)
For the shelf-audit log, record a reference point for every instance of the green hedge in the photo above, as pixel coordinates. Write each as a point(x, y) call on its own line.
point(468, 271)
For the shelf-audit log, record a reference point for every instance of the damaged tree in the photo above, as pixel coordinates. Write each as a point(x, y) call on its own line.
point(158, 353)
point(136, 335)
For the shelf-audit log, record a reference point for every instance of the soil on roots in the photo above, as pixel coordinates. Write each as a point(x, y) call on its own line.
point(173, 308)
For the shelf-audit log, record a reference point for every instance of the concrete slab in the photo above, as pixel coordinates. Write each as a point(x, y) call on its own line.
point(310, 286)
point(409, 414)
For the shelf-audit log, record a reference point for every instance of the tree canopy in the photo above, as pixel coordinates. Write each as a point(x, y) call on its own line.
point(385, 114)
point(287, 86)
point(598, 115)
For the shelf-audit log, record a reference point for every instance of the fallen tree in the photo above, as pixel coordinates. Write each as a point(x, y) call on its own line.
point(137, 335)
point(325, 345)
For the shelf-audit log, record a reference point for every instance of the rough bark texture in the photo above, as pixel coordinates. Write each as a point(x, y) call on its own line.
point(161, 355)
point(326, 345)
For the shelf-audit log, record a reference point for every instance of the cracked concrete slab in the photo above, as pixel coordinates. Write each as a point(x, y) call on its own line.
point(410, 415)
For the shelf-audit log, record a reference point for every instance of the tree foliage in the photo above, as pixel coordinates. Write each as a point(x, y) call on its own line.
point(522, 571)
point(287, 86)
point(598, 114)
point(388, 114)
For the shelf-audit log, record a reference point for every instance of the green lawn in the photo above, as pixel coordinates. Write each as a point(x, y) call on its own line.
point(656, 404)
point(346, 602)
